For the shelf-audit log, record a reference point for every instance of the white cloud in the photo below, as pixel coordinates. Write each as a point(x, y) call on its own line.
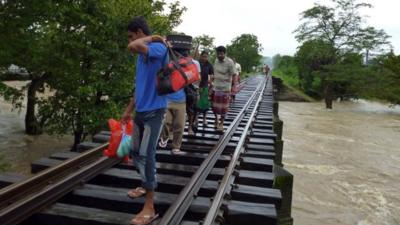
point(271, 21)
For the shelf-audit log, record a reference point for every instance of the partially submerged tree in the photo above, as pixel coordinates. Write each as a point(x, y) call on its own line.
point(342, 27)
point(23, 25)
point(311, 58)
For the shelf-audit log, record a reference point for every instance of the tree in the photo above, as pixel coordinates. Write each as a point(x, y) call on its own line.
point(83, 53)
point(383, 79)
point(322, 74)
point(288, 65)
point(341, 27)
point(245, 49)
point(286, 69)
point(373, 39)
point(311, 58)
point(102, 66)
point(23, 43)
point(204, 43)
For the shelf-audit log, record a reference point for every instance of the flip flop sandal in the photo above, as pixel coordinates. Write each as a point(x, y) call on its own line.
point(136, 193)
point(163, 143)
point(220, 127)
point(191, 133)
point(176, 151)
point(144, 220)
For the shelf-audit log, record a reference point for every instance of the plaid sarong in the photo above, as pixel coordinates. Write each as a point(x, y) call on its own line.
point(221, 101)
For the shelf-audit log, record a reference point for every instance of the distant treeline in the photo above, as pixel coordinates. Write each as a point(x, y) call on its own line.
point(334, 57)
point(352, 78)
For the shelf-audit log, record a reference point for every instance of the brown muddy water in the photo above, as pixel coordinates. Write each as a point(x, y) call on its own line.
point(346, 162)
point(17, 149)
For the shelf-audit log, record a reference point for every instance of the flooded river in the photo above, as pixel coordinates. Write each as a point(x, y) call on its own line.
point(346, 162)
point(17, 149)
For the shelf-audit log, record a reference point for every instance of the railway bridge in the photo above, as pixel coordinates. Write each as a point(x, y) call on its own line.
point(236, 177)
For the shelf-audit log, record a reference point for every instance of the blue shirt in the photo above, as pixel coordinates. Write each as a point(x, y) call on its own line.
point(178, 97)
point(147, 68)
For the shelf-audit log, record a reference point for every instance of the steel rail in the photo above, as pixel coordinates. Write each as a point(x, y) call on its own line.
point(227, 179)
point(21, 200)
point(11, 193)
point(177, 210)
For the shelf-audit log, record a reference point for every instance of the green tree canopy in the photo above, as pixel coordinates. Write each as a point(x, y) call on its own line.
point(245, 49)
point(24, 42)
point(383, 79)
point(342, 26)
point(204, 43)
point(80, 46)
point(311, 57)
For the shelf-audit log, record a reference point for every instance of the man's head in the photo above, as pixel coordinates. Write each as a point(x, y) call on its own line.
point(138, 28)
point(221, 50)
point(204, 57)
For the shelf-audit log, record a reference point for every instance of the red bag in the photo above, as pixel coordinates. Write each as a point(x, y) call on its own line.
point(178, 73)
point(116, 129)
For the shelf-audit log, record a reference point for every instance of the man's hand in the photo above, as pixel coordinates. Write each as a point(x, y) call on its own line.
point(157, 38)
point(126, 117)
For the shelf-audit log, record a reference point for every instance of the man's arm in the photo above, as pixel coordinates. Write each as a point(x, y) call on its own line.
point(211, 73)
point(140, 45)
point(233, 69)
point(127, 116)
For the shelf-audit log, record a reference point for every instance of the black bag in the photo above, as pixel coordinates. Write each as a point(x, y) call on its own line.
point(191, 98)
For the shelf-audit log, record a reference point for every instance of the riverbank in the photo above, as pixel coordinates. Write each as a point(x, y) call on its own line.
point(286, 92)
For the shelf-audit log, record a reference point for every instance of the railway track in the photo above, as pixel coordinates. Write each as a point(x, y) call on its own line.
point(220, 179)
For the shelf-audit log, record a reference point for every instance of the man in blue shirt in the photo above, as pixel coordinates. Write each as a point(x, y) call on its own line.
point(149, 112)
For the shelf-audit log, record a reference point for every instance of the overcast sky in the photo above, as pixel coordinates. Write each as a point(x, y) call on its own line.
point(272, 21)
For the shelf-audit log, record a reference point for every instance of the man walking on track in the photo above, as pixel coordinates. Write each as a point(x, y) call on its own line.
point(266, 69)
point(224, 71)
point(207, 70)
point(150, 110)
point(176, 111)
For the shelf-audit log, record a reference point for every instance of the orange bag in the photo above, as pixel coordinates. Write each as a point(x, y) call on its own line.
point(177, 74)
point(117, 129)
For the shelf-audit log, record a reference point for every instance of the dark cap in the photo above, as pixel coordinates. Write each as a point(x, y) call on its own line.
point(179, 41)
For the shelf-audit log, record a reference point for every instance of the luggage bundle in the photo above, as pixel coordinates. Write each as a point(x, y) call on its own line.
point(180, 71)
